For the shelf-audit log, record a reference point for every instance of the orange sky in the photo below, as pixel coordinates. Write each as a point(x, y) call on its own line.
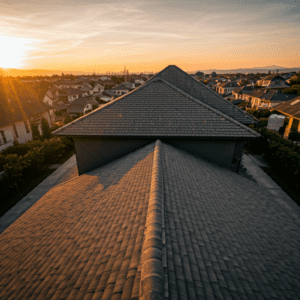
point(148, 35)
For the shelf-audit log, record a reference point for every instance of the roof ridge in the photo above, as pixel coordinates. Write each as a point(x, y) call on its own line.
point(152, 270)
point(209, 107)
point(235, 107)
point(200, 83)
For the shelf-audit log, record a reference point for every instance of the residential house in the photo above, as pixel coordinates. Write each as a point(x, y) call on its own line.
point(237, 93)
point(156, 221)
point(71, 94)
point(287, 76)
point(82, 106)
point(272, 82)
point(291, 109)
point(98, 88)
point(225, 88)
point(51, 96)
point(18, 110)
point(122, 88)
point(266, 98)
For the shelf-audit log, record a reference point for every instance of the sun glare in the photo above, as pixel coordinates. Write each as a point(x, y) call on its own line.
point(12, 51)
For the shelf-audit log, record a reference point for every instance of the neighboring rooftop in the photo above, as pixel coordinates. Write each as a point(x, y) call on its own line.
point(158, 221)
point(291, 108)
point(157, 109)
point(17, 102)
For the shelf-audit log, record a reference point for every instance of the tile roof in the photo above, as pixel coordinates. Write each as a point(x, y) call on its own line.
point(79, 104)
point(157, 222)
point(84, 243)
point(291, 107)
point(17, 102)
point(157, 109)
point(228, 84)
point(121, 87)
point(197, 89)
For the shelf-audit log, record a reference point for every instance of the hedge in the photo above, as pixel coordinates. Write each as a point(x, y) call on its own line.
point(20, 168)
point(283, 155)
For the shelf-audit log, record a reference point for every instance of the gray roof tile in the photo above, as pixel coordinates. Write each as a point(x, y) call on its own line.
point(197, 89)
point(157, 109)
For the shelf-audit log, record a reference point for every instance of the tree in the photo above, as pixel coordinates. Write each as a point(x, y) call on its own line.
point(46, 129)
point(213, 74)
point(93, 83)
point(200, 74)
point(68, 119)
point(35, 132)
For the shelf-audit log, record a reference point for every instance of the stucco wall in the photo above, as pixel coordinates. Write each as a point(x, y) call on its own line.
point(23, 135)
point(94, 152)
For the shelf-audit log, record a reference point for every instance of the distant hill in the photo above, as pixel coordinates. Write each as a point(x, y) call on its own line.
point(252, 70)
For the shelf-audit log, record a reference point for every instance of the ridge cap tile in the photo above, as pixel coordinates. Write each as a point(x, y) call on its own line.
point(152, 269)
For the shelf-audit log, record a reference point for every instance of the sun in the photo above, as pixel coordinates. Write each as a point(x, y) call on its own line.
point(12, 51)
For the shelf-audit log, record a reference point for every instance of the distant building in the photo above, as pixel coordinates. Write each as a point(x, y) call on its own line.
point(273, 82)
point(18, 110)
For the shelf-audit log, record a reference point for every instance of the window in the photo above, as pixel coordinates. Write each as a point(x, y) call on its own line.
point(2, 138)
point(26, 126)
point(16, 131)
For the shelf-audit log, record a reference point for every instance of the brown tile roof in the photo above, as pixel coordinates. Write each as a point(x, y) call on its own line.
point(17, 102)
point(197, 89)
point(157, 109)
point(158, 222)
point(291, 107)
point(84, 238)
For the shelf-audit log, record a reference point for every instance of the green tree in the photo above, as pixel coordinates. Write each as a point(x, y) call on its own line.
point(68, 119)
point(294, 89)
point(46, 129)
point(35, 132)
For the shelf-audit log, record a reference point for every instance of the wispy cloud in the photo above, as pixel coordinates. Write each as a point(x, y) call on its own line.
point(85, 31)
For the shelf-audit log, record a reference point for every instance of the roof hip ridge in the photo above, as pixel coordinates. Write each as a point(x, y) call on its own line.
point(228, 118)
point(154, 249)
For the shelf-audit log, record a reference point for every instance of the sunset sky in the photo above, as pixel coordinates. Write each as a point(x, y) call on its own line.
point(148, 35)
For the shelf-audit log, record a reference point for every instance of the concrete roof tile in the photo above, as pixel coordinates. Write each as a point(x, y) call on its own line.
point(188, 229)
point(157, 109)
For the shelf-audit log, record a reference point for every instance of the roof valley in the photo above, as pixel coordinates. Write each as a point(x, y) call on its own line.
point(154, 263)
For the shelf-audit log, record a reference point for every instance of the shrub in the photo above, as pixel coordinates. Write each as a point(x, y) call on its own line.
point(294, 135)
point(35, 132)
point(68, 119)
point(18, 149)
point(46, 129)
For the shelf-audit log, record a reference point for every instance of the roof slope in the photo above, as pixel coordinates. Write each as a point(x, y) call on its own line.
point(157, 221)
point(82, 239)
point(291, 107)
point(226, 237)
point(157, 109)
point(17, 102)
point(198, 90)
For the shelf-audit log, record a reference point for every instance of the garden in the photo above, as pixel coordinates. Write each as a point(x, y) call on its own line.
point(282, 155)
point(24, 166)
